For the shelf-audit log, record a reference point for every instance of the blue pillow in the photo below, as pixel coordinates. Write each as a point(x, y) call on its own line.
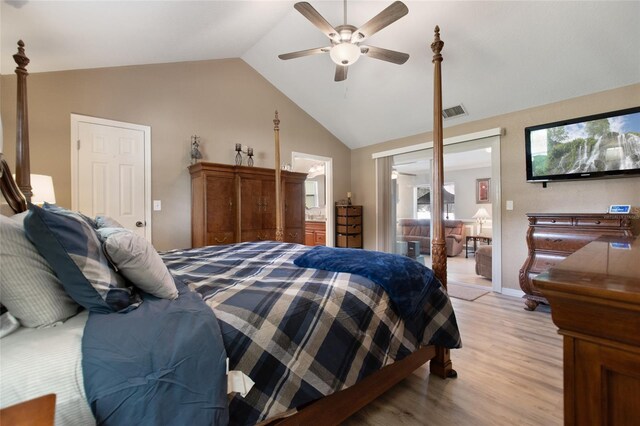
point(72, 248)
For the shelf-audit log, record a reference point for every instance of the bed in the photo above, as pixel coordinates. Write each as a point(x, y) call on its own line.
point(318, 344)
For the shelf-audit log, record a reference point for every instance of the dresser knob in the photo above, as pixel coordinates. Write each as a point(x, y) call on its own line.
point(598, 222)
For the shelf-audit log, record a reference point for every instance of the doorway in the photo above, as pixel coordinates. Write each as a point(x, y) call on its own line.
point(472, 181)
point(111, 171)
point(318, 191)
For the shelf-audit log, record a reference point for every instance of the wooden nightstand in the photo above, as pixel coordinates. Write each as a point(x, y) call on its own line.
point(35, 412)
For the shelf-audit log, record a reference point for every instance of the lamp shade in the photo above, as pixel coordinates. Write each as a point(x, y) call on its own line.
point(42, 188)
point(344, 53)
point(481, 214)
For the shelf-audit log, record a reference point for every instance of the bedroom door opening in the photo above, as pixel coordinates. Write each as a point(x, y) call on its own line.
point(111, 172)
point(471, 195)
point(318, 196)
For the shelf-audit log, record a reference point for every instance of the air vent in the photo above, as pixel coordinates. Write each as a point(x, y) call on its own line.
point(452, 112)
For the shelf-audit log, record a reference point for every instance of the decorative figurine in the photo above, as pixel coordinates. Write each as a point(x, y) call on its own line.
point(195, 151)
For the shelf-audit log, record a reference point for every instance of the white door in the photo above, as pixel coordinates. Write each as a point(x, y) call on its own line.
point(111, 171)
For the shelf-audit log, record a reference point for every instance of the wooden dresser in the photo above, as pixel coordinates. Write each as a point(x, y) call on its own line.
point(349, 226)
point(595, 302)
point(552, 237)
point(231, 204)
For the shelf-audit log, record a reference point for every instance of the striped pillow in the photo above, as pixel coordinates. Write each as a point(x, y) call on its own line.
point(72, 248)
point(29, 288)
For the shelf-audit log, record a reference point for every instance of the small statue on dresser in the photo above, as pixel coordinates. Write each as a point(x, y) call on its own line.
point(195, 151)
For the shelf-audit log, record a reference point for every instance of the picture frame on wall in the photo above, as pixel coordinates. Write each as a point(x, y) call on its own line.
point(483, 191)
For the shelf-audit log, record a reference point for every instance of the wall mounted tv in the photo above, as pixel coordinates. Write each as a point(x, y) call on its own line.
point(597, 146)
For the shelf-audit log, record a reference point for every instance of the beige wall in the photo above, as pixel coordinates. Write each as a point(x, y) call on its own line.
point(578, 196)
point(223, 101)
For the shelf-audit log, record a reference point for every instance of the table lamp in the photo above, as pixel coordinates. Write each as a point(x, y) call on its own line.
point(42, 187)
point(481, 217)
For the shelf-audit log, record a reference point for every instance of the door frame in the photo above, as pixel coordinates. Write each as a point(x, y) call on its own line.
point(328, 173)
point(76, 119)
point(492, 136)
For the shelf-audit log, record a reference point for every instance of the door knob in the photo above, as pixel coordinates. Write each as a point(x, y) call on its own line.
point(140, 224)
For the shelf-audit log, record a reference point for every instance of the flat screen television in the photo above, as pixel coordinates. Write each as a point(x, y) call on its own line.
point(597, 146)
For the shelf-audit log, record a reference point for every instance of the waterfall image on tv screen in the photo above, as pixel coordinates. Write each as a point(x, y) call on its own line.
point(584, 147)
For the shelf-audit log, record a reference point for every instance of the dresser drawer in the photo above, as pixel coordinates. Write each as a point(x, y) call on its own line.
point(294, 235)
point(348, 229)
point(546, 239)
point(259, 235)
point(349, 211)
point(604, 223)
point(216, 238)
point(349, 240)
point(543, 261)
point(349, 220)
point(557, 221)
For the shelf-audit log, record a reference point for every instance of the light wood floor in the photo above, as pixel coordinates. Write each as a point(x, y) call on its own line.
point(462, 270)
point(509, 373)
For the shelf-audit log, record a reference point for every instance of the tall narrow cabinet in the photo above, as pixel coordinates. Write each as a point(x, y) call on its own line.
point(349, 226)
point(231, 204)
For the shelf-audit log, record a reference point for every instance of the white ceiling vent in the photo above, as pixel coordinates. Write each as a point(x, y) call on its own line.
point(455, 111)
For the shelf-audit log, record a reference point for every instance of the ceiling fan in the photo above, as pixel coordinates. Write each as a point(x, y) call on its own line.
point(345, 39)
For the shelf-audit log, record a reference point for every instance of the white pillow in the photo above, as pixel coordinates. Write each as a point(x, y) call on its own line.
point(29, 288)
point(138, 261)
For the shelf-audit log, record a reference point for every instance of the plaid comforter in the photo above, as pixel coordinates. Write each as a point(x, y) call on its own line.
point(301, 334)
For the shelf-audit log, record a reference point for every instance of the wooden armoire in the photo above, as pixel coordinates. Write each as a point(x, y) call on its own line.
point(232, 204)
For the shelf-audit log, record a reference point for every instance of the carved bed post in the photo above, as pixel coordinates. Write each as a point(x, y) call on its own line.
point(441, 364)
point(276, 131)
point(15, 198)
point(23, 169)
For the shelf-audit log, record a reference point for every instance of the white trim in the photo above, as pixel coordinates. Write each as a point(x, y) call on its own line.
point(512, 292)
point(448, 141)
point(496, 211)
point(328, 173)
point(76, 119)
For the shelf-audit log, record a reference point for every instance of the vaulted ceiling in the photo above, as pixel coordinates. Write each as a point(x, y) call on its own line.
point(498, 56)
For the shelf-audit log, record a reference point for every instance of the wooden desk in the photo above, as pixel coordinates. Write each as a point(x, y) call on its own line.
point(595, 302)
point(35, 412)
point(475, 239)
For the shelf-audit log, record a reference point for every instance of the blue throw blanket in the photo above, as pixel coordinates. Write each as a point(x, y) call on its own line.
point(407, 282)
point(163, 363)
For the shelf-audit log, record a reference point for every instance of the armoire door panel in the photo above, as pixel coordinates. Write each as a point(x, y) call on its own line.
point(220, 204)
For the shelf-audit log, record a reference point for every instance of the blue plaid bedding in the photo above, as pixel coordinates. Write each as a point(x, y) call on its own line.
point(301, 334)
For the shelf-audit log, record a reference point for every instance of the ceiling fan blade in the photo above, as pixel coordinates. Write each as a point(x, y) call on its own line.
point(341, 73)
point(316, 19)
point(388, 16)
point(384, 54)
point(301, 53)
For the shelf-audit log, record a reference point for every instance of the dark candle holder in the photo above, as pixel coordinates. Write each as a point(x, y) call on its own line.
point(250, 154)
point(238, 154)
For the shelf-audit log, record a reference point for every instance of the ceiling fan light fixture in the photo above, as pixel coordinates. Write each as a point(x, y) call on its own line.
point(344, 54)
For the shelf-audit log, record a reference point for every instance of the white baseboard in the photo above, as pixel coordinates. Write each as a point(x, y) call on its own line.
point(512, 292)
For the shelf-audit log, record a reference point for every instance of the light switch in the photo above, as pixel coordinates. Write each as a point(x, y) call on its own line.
point(509, 204)
point(157, 205)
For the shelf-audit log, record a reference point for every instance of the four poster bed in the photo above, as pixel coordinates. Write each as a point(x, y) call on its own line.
point(333, 341)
